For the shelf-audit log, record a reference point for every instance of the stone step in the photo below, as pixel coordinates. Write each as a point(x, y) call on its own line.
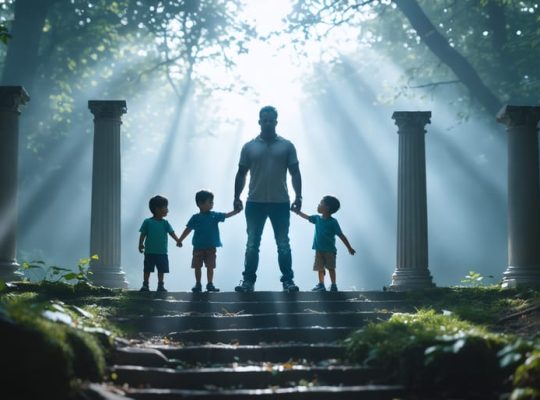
point(366, 392)
point(243, 377)
point(222, 353)
point(158, 306)
point(270, 296)
point(312, 334)
point(168, 323)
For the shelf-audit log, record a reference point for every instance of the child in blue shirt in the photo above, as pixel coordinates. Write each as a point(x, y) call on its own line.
point(205, 238)
point(153, 241)
point(324, 241)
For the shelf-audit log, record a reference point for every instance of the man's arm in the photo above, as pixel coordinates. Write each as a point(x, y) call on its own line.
point(239, 183)
point(296, 180)
point(184, 234)
point(347, 244)
point(141, 242)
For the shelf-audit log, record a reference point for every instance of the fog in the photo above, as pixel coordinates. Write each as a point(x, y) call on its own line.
point(347, 145)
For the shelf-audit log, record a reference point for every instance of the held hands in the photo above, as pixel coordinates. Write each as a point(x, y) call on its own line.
point(296, 206)
point(238, 205)
point(178, 243)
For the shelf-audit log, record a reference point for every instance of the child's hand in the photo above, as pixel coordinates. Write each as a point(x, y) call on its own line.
point(141, 248)
point(352, 251)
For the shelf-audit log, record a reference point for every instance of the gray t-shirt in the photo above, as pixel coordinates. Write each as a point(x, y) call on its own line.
point(267, 164)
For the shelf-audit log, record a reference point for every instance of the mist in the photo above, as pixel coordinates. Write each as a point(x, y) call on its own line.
point(335, 96)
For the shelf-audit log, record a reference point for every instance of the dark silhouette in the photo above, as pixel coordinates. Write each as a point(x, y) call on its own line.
point(267, 158)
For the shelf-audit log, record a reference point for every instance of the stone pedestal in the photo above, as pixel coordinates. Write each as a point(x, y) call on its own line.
point(523, 195)
point(11, 98)
point(105, 221)
point(412, 243)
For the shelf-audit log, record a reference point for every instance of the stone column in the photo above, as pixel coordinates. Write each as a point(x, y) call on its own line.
point(11, 98)
point(105, 221)
point(523, 195)
point(412, 243)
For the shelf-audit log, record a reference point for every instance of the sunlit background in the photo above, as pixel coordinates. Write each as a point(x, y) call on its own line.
point(335, 97)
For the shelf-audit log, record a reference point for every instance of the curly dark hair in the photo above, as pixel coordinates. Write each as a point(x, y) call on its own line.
point(202, 195)
point(157, 202)
point(332, 203)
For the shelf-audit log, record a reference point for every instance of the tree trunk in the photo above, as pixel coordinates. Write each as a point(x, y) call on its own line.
point(23, 49)
point(439, 46)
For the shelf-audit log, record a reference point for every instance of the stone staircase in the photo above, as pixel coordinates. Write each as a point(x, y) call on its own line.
point(243, 345)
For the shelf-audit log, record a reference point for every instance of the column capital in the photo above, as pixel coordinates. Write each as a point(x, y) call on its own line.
point(107, 108)
point(11, 97)
point(513, 116)
point(411, 120)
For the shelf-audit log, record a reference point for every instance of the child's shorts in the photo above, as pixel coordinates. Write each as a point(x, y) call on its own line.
point(324, 259)
point(204, 256)
point(160, 261)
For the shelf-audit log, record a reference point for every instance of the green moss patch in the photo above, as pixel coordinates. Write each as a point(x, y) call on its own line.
point(430, 352)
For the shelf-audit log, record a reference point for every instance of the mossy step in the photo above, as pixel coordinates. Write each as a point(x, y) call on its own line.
point(246, 377)
point(312, 334)
point(223, 353)
point(156, 306)
point(167, 323)
point(365, 392)
point(270, 296)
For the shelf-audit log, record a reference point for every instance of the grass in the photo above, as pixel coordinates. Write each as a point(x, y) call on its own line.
point(453, 345)
point(65, 333)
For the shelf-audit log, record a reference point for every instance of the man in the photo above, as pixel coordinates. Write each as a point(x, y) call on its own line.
point(267, 158)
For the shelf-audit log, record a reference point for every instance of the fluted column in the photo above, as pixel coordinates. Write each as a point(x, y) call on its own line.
point(105, 221)
point(412, 243)
point(523, 195)
point(11, 98)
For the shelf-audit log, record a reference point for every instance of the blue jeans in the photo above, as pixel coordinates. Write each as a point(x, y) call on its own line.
point(256, 214)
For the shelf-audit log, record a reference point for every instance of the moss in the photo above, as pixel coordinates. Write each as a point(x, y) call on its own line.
point(528, 374)
point(433, 352)
point(46, 357)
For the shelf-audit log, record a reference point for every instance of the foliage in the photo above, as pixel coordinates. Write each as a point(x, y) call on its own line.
point(4, 35)
point(499, 38)
point(475, 279)
point(53, 343)
point(54, 273)
point(439, 353)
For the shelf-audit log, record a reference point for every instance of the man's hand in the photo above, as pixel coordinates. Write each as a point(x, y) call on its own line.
point(238, 205)
point(296, 205)
point(352, 251)
point(141, 248)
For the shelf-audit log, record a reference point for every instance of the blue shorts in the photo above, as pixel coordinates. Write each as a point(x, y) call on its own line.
point(160, 261)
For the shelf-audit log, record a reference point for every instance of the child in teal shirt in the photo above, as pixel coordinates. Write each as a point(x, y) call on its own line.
point(153, 242)
point(324, 241)
point(205, 239)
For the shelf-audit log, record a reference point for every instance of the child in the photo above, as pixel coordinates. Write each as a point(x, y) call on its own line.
point(205, 239)
point(324, 242)
point(153, 241)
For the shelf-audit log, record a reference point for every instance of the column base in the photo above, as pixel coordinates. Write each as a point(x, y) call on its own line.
point(111, 277)
point(7, 270)
point(521, 276)
point(410, 279)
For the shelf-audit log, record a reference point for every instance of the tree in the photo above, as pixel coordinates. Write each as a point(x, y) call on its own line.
point(497, 37)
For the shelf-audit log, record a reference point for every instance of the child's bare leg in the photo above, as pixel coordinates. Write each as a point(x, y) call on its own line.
point(197, 275)
point(146, 276)
point(332, 273)
point(160, 276)
point(210, 274)
point(321, 276)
